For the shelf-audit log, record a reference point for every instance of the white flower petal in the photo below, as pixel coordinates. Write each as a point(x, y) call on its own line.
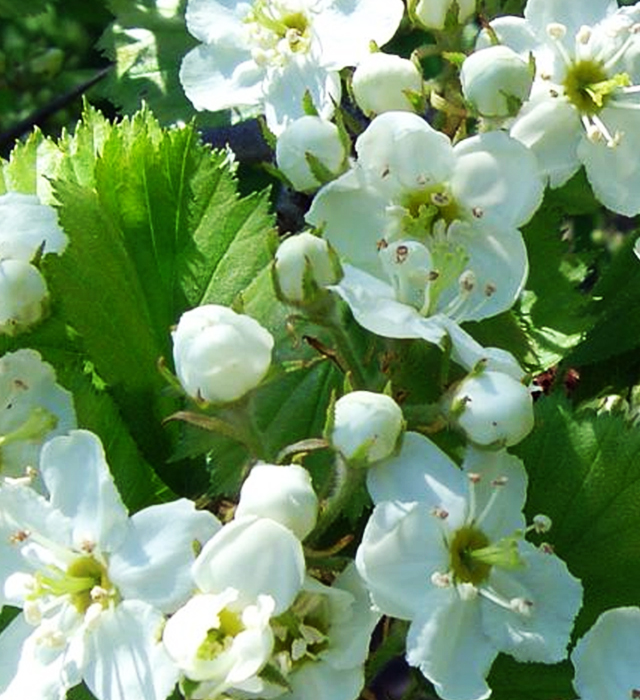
point(551, 128)
point(153, 564)
point(319, 680)
point(498, 175)
point(125, 655)
point(571, 13)
point(217, 20)
point(220, 77)
point(402, 546)
point(614, 173)
point(513, 32)
point(606, 658)
point(348, 28)
point(29, 669)
point(447, 644)
point(543, 633)
point(77, 477)
point(254, 556)
point(420, 472)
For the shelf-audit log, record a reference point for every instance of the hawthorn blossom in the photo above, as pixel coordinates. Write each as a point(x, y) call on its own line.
point(33, 409)
point(607, 658)
point(445, 549)
point(94, 585)
point(428, 232)
point(584, 107)
point(269, 53)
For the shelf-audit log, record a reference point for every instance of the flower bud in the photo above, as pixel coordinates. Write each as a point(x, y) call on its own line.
point(310, 152)
point(23, 296)
point(496, 81)
point(381, 83)
point(220, 355)
point(491, 408)
point(303, 264)
point(433, 13)
point(282, 493)
point(367, 426)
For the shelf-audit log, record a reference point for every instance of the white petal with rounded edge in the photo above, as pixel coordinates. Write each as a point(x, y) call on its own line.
point(217, 20)
point(402, 546)
point(76, 474)
point(499, 175)
point(421, 471)
point(29, 670)
point(542, 634)
point(513, 32)
point(320, 680)
point(254, 556)
point(153, 563)
point(447, 644)
point(606, 658)
point(220, 77)
point(551, 128)
point(614, 173)
point(125, 655)
point(346, 29)
point(572, 13)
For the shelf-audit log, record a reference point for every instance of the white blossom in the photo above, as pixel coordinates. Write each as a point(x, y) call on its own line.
point(33, 409)
point(381, 83)
point(433, 13)
point(584, 107)
point(367, 426)
point(310, 138)
point(220, 355)
point(445, 549)
point(607, 658)
point(269, 53)
point(94, 584)
point(23, 296)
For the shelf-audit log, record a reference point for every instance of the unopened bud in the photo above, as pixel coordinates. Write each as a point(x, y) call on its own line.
point(23, 296)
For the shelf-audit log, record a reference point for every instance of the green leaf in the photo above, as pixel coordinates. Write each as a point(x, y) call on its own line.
point(510, 680)
point(617, 298)
point(24, 8)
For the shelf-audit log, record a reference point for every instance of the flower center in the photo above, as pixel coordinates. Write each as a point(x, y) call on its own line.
point(466, 567)
point(277, 30)
point(588, 87)
point(85, 582)
point(221, 638)
point(424, 207)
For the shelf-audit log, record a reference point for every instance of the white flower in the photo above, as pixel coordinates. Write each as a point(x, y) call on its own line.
point(584, 106)
point(33, 408)
point(496, 81)
point(433, 13)
point(23, 296)
point(491, 408)
point(305, 139)
point(93, 583)
point(220, 355)
point(323, 640)
point(366, 426)
point(381, 83)
point(303, 264)
point(607, 658)
point(268, 53)
point(428, 231)
point(218, 645)
point(283, 493)
point(445, 549)
point(26, 225)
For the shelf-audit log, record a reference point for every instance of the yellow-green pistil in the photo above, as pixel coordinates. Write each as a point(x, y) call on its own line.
point(424, 208)
point(220, 638)
point(294, 26)
point(83, 576)
point(588, 87)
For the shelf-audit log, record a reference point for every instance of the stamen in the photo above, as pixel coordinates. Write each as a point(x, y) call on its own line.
point(477, 212)
point(635, 693)
point(546, 548)
point(467, 591)
point(19, 536)
point(612, 141)
point(542, 523)
point(441, 580)
point(492, 499)
point(496, 598)
point(584, 34)
point(557, 32)
point(522, 606)
point(440, 199)
point(440, 512)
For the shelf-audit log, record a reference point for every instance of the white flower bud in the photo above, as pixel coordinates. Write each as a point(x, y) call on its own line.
point(492, 408)
point(304, 141)
point(380, 83)
point(302, 264)
point(433, 13)
point(496, 81)
point(23, 296)
point(220, 355)
point(282, 493)
point(367, 426)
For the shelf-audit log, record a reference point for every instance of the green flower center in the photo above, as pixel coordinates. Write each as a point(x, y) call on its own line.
point(588, 87)
point(220, 638)
point(424, 208)
point(272, 25)
point(465, 566)
point(85, 581)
